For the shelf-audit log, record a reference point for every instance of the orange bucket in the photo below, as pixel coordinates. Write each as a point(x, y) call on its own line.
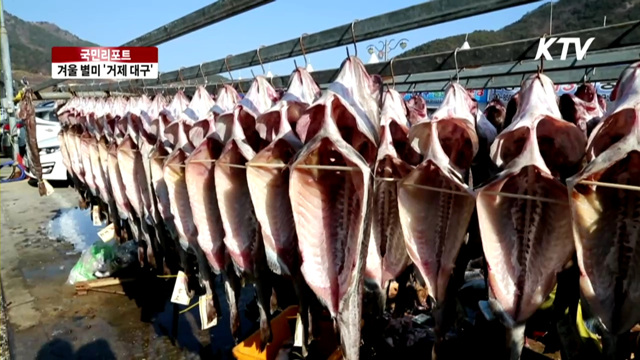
point(281, 327)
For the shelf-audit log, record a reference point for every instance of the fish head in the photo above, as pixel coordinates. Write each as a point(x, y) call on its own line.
point(361, 91)
point(394, 129)
point(234, 123)
point(260, 97)
point(177, 134)
point(302, 87)
point(626, 88)
point(579, 112)
point(152, 113)
point(538, 135)
point(394, 109)
point(198, 116)
point(134, 125)
point(450, 137)
point(121, 127)
point(282, 118)
point(159, 124)
point(209, 150)
point(417, 109)
point(108, 124)
point(332, 115)
point(622, 122)
point(178, 104)
point(226, 100)
point(239, 124)
point(272, 124)
point(582, 107)
point(201, 104)
point(200, 130)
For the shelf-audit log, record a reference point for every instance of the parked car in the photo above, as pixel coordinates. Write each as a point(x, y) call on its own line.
point(5, 138)
point(47, 129)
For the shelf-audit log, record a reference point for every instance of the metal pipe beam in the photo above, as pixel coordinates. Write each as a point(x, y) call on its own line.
point(512, 53)
point(410, 18)
point(210, 14)
point(598, 66)
point(624, 56)
point(564, 76)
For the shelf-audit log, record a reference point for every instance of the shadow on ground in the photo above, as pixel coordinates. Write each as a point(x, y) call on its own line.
point(62, 349)
point(183, 329)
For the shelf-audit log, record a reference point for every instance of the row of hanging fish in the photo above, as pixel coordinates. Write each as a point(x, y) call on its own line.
point(353, 185)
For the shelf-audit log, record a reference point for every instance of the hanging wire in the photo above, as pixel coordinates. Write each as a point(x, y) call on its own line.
point(260, 60)
point(304, 53)
point(144, 88)
point(131, 87)
point(106, 91)
point(353, 36)
point(551, 18)
point(181, 78)
point(226, 63)
point(455, 59)
point(393, 75)
point(204, 78)
point(156, 89)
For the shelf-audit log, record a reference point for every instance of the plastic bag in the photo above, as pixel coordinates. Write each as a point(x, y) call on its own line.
point(92, 259)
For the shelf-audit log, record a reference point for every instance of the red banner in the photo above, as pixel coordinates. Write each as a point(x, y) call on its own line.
point(104, 54)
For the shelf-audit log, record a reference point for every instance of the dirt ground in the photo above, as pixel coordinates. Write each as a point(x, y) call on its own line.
point(48, 321)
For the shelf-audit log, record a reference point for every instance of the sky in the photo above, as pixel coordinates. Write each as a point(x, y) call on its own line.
point(114, 22)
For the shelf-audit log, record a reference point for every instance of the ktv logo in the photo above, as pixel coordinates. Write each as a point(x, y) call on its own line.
point(545, 44)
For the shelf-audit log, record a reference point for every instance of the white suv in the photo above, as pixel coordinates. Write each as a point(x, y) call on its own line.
point(47, 128)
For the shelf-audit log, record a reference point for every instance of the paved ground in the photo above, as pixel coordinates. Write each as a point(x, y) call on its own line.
point(48, 321)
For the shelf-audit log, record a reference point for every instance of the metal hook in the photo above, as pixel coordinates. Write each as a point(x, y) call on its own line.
point(144, 88)
point(541, 66)
point(304, 52)
point(260, 59)
point(353, 36)
point(393, 75)
point(181, 78)
point(157, 90)
point(252, 73)
point(226, 63)
point(204, 78)
point(119, 88)
point(455, 58)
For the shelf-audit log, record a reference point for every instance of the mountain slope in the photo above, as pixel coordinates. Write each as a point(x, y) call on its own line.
point(568, 15)
point(30, 43)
